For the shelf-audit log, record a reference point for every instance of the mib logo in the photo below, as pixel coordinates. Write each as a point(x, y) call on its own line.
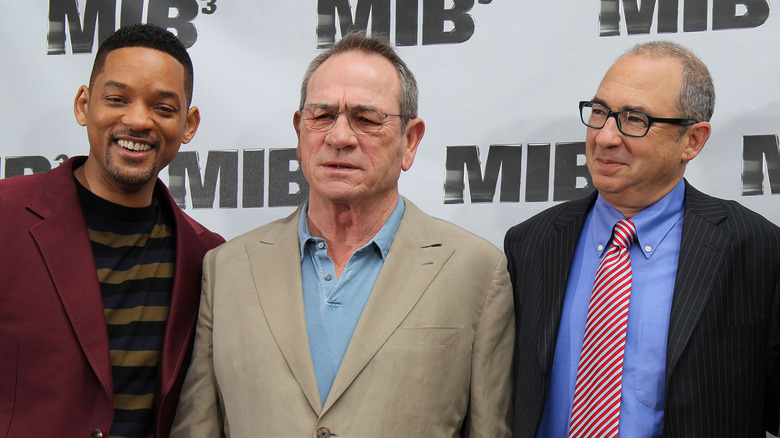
point(100, 16)
point(441, 22)
point(694, 15)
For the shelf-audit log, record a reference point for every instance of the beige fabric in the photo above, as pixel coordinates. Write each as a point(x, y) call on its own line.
point(431, 353)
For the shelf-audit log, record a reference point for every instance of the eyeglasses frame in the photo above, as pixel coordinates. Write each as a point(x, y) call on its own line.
point(650, 119)
point(346, 114)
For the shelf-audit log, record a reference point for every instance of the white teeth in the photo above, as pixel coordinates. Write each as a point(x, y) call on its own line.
point(133, 146)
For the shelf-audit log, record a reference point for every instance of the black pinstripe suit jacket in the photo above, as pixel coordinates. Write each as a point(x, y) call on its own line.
point(724, 338)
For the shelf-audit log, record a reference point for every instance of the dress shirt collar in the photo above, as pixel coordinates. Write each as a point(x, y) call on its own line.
point(381, 241)
point(652, 224)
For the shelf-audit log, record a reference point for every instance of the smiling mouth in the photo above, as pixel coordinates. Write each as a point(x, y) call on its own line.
point(133, 146)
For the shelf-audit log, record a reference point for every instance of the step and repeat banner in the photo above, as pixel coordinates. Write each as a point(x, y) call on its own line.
point(499, 81)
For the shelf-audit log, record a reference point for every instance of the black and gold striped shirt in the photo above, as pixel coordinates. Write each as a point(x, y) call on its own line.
point(134, 254)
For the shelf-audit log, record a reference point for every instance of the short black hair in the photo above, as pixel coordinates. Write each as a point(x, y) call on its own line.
point(145, 35)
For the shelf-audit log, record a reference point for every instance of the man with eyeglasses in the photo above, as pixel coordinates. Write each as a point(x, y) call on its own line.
point(358, 315)
point(668, 325)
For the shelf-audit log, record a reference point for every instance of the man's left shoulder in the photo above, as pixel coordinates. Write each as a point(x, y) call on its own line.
point(735, 216)
point(448, 233)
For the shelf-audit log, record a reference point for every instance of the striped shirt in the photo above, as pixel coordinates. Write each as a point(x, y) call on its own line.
point(134, 254)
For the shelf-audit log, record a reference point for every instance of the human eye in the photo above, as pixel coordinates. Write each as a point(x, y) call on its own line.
point(598, 111)
point(368, 118)
point(166, 110)
point(114, 100)
point(319, 118)
point(638, 120)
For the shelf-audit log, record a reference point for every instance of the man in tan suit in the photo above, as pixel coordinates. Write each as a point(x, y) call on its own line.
point(358, 315)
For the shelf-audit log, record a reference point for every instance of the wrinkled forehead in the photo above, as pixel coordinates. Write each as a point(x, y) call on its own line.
point(354, 79)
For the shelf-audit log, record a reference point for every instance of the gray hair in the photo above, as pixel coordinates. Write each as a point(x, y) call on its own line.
point(696, 99)
point(372, 45)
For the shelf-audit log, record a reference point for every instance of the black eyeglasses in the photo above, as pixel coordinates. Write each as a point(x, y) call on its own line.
point(631, 123)
point(361, 120)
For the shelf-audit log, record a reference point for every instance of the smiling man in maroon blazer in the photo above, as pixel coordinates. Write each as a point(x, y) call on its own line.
point(100, 268)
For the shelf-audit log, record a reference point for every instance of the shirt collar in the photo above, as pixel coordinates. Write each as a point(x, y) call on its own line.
point(652, 224)
point(382, 240)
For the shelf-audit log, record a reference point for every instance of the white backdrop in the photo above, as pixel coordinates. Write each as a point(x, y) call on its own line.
point(514, 79)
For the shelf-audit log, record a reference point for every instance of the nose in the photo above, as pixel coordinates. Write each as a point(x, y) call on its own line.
point(138, 117)
point(341, 135)
point(609, 135)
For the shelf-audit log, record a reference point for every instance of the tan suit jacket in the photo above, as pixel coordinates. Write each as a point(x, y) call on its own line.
point(431, 354)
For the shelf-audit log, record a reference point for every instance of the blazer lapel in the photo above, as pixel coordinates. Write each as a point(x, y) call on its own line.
point(556, 257)
point(64, 244)
point(701, 255)
point(275, 261)
point(415, 255)
point(185, 294)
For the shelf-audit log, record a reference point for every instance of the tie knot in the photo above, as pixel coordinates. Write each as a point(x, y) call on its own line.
point(624, 233)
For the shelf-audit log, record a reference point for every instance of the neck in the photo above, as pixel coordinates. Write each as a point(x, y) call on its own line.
point(347, 227)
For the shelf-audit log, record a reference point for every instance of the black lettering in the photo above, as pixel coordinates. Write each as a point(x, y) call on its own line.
point(378, 10)
point(695, 15)
point(503, 160)
point(667, 15)
point(132, 12)
point(568, 172)
point(180, 23)
point(286, 187)
point(406, 22)
point(537, 173)
point(254, 178)
point(609, 18)
point(211, 7)
point(15, 166)
point(100, 13)
point(638, 19)
point(222, 164)
point(435, 15)
point(755, 148)
point(724, 14)
point(326, 21)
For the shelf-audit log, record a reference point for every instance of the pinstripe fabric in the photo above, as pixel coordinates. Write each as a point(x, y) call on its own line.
point(723, 354)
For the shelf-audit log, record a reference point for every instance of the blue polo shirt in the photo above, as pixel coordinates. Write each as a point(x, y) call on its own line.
point(654, 268)
point(333, 305)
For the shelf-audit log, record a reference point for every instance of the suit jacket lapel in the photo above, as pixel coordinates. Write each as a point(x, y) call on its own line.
point(275, 261)
point(556, 257)
point(183, 312)
point(65, 247)
point(417, 257)
point(701, 255)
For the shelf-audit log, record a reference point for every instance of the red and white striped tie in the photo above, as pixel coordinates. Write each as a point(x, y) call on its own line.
point(596, 407)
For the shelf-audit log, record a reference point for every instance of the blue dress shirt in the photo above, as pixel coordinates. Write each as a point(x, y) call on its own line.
point(333, 305)
point(654, 268)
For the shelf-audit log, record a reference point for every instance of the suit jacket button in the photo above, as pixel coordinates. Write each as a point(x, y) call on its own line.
point(323, 432)
point(97, 433)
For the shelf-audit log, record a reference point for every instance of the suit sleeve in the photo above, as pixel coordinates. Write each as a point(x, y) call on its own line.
point(199, 413)
point(491, 381)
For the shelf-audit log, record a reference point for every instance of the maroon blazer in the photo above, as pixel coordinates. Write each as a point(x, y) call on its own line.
point(55, 370)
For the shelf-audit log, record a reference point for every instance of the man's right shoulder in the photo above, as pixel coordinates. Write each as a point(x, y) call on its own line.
point(271, 233)
point(548, 219)
point(20, 189)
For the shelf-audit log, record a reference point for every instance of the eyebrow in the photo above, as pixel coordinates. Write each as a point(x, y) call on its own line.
point(637, 109)
point(123, 86)
point(349, 108)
